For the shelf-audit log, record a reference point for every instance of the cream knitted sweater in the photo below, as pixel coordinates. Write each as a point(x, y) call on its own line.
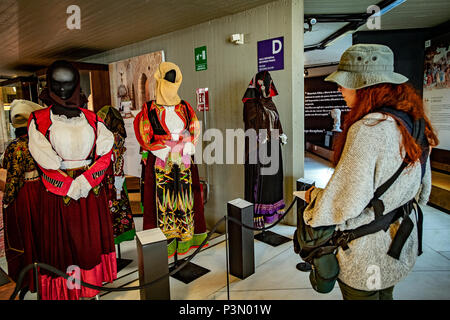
point(370, 157)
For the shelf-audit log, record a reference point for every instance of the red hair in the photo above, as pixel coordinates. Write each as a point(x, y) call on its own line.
point(402, 97)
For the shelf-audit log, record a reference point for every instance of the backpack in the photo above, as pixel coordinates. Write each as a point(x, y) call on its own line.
point(318, 246)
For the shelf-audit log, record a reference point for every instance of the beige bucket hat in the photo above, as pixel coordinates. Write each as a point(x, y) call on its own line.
point(364, 65)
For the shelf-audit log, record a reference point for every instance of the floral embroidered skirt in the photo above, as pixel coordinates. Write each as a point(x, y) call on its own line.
point(120, 209)
point(173, 202)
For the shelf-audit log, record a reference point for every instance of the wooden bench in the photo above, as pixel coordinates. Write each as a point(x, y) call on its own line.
point(440, 191)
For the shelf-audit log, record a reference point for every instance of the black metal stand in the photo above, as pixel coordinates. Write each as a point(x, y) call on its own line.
point(189, 273)
point(272, 238)
point(121, 263)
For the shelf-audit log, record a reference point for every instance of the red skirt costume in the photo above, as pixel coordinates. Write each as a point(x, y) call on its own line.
point(74, 233)
point(21, 203)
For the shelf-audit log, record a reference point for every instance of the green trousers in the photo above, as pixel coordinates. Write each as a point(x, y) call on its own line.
point(349, 293)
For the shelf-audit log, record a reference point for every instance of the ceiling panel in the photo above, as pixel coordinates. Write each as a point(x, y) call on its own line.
point(34, 33)
point(333, 6)
point(408, 15)
point(415, 14)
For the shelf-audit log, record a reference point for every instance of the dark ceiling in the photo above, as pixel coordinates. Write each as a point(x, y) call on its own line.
point(33, 33)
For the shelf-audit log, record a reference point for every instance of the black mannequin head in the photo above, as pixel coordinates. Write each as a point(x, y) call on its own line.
point(20, 131)
point(264, 80)
point(64, 79)
point(171, 76)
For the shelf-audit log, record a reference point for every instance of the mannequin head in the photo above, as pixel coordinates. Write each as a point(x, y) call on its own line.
point(64, 79)
point(171, 76)
point(261, 87)
point(264, 81)
point(168, 80)
point(63, 90)
point(264, 84)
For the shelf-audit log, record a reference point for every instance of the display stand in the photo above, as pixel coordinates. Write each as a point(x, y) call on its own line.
point(153, 264)
point(303, 185)
point(190, 271)
point(121, 263)
point(241, 243)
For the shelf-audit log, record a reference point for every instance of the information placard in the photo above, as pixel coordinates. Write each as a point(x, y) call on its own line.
point(271, 54)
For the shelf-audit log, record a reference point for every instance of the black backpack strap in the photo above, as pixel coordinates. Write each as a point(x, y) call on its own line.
point(383, 222)
point(419, 219)
point(376, 203)
point(417, 130)
point(342, 238)
point(403, 232)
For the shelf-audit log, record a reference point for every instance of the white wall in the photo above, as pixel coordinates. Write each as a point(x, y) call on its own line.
point(230, 69)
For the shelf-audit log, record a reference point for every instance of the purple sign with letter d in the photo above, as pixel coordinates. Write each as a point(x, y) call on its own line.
point(271, 54)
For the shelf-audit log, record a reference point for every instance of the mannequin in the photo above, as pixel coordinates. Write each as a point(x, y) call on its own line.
point(167, 130)
point(119, 204)
point(260, 113)
point(21, 200)
point(72, 149)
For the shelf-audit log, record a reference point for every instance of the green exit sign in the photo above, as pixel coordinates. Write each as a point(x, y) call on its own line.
point(201, 62)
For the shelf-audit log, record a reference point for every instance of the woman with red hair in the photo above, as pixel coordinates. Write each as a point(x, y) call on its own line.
point(372, 147)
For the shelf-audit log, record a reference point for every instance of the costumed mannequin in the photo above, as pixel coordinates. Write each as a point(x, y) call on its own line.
point(21, 200)
point(169, 129)
point(119, 204)
point(260, 112)
point(72, 148)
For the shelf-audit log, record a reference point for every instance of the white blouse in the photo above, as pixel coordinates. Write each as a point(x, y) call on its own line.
point(175, 125)
point(71, 142)
point(173, 122)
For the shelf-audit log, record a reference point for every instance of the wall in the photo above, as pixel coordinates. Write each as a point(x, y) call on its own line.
point(408, 47)
point(230, 69)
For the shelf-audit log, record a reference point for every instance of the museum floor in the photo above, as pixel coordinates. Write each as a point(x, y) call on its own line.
point(276, 277)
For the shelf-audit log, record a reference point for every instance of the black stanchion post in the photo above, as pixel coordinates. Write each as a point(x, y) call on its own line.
point(153, 263)
point(241, 243)
point(36, 279)
point(303, 185)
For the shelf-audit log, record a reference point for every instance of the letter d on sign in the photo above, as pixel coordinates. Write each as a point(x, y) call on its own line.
point(276, 50)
